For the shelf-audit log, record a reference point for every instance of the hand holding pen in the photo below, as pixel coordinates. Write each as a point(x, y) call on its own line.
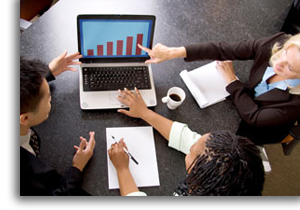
point(118, 155)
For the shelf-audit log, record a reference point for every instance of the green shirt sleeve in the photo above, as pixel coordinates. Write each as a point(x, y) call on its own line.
point(182, 138)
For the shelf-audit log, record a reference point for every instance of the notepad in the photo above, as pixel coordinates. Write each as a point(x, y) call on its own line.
point(206, 84)
point(140, 143)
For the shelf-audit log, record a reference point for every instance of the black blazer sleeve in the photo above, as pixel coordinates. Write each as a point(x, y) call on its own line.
point(49, 76)
point(244, 50)
point(70, 183)
point(38, 178)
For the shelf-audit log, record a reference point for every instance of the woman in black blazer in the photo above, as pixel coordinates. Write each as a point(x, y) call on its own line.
point(267, 111)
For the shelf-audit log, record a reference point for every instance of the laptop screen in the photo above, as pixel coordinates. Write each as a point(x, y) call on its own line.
point(114, 36)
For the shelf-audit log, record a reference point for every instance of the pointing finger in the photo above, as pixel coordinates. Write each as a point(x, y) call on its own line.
point(144, 48)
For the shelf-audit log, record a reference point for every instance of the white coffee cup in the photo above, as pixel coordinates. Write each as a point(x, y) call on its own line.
point(174, 98)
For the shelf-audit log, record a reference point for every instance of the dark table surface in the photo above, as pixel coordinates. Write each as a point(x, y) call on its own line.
point(178, 23)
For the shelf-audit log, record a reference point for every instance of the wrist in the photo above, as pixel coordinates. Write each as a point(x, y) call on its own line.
point(80, 168)
point(231, 80)
point(122, 170)
point(146, 114)
point(177, 52)
point(50, 67)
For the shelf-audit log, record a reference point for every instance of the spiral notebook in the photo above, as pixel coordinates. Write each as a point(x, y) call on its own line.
point(206, 84)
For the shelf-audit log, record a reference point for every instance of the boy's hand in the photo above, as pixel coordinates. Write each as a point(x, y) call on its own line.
point(61, 63)
point(84, 152)
point(137, 106)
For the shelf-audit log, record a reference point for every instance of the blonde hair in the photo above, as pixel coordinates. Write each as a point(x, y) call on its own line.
point(278, 49)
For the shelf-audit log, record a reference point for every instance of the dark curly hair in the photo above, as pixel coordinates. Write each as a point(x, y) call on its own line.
point(231, 165)
point(32, 74)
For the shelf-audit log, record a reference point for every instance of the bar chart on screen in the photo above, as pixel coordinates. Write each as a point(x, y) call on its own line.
point(118, 47)
point(114, 38)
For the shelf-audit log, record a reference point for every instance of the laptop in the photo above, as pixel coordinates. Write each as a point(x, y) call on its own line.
point(111, 59)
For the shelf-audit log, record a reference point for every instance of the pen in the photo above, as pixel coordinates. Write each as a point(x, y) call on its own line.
point(126, 151)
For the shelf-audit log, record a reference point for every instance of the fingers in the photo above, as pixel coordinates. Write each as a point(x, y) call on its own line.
point(72, 63)
point(70, 57)
point(75, 63)
point(128, 92)
point(144, 48)
point(71, 69)
point(123, 111)
point(92, 142)
point(86, 145)
point(226, 69)
point(122, 98)
point(117, 147)
point(112, 149)
point(61, 56)
point(122, 143)
point(221, 63)
point(126, 96)
point(218, 65)
point(137, 92)
point(224, 66)
point(154, 61)
point(82, 144)
point(74, 56)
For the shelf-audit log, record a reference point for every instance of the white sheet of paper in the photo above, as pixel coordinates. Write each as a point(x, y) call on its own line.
point(195, 91)
point(206, 84)
point(140, 143)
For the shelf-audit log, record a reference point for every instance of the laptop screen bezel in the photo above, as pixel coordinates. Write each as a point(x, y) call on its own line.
point(115, 17)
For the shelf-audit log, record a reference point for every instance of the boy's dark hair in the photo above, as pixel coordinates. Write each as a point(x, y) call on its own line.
point(231, 165)
point(32, 74)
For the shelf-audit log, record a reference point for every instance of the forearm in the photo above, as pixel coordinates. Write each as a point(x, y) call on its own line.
point(176, 52)
point(126, 182)
point(243, 50)
point(161, 124)
point(220, 51)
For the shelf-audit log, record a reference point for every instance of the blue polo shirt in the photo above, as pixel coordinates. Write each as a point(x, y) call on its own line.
point(264, 87)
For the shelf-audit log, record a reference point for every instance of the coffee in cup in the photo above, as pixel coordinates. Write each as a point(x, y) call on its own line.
point(174, 98)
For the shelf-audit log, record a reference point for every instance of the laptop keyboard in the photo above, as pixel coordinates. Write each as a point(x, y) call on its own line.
point(114, 78)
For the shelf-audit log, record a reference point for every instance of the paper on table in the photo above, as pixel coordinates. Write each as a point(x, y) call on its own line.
point(206, 84)
point(195, 91)
point(140, 143)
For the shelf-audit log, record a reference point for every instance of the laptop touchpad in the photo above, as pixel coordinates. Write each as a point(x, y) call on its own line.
point(113, 98)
